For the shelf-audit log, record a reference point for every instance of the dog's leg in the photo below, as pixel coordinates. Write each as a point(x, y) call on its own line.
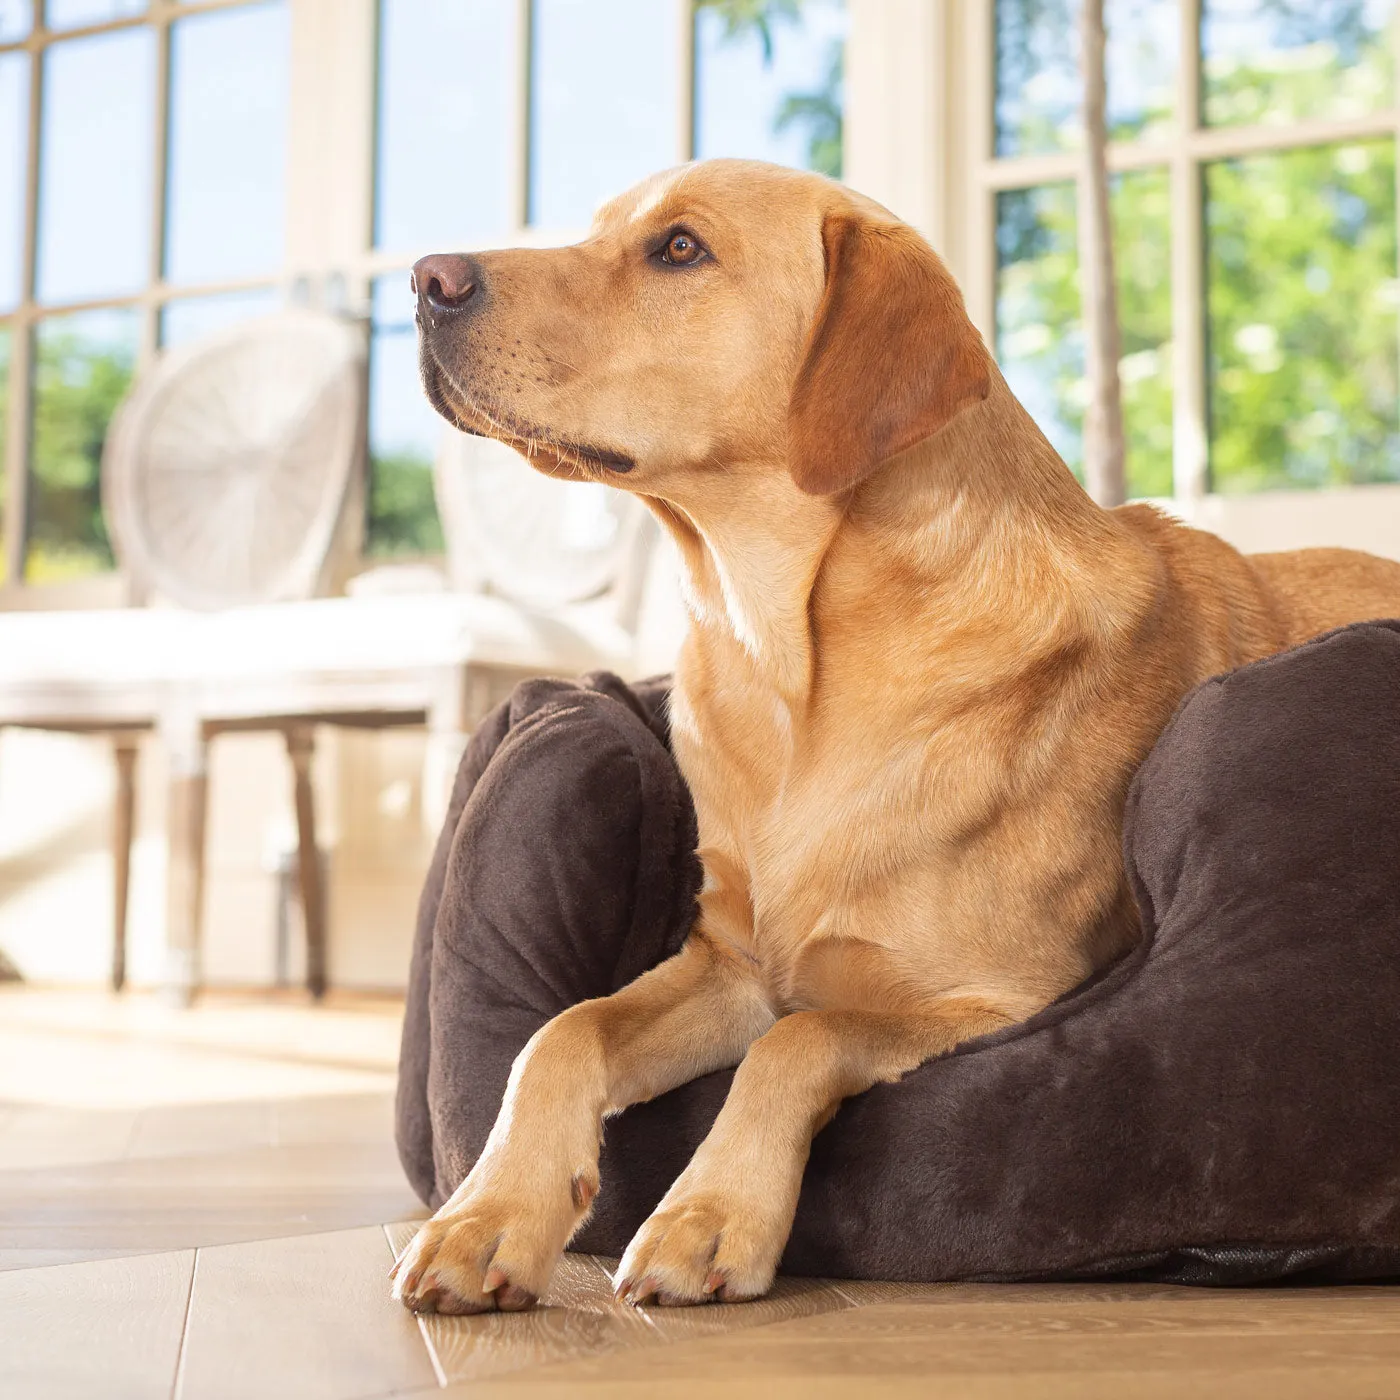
point(720, 1230)
point(495, 1242)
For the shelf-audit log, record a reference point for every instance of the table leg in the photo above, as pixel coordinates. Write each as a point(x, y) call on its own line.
point(187, 752)
point(124, 749)
point(300, 746)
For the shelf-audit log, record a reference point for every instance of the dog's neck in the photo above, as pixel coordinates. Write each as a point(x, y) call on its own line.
point(962, 520)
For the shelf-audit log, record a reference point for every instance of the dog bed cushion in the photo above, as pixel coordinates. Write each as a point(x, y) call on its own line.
point(1221, 1106)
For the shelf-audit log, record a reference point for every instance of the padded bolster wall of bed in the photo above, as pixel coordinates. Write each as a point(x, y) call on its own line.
point(1219, 1107)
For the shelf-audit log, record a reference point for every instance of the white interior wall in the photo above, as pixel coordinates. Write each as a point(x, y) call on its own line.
point(56, 795)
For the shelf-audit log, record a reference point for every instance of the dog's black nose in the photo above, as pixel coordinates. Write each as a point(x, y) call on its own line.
point(446, 281)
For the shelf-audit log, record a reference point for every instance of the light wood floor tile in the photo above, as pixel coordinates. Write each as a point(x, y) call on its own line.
point(578, 1318)
point(309, 1318)
point(883, 1342)
point(791, 1299)
point(1324, 1383)
point(44, 1137)
point(181, 1130)
point(109, 1329)
point(214, 1198)
point(334, 1118)
point(43, 1258)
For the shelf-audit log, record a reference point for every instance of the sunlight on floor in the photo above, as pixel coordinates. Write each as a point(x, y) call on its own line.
point(95, 1050)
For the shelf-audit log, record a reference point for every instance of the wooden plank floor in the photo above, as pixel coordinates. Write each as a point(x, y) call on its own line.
point(164, 1236)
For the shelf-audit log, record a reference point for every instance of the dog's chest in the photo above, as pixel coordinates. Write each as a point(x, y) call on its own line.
point(792, 826)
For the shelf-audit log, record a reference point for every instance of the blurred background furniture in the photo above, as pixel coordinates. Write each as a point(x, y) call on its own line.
point(226, 480)
point(226, 477)
point(94, 673)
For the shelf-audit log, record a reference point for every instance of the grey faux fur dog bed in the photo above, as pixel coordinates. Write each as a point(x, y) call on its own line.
point(1222, 1106)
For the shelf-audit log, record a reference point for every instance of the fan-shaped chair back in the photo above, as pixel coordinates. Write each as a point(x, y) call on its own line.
point(543, 543)
point(227, 468)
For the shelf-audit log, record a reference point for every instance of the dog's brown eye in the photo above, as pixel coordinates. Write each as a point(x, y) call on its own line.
point(682, 250)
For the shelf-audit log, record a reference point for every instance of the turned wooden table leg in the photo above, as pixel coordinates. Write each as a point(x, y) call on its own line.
point(187, 753)
point(124, 749)
point(300, 746)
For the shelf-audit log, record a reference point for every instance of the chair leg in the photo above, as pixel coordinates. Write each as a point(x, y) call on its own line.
point(300, 745)
point(187, 752)
point(123, 815)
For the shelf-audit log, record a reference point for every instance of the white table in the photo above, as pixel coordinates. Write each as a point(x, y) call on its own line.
point(438, 659)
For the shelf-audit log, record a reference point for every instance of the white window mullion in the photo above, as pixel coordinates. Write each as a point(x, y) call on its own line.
point(522, 130)
point(1395, 48)
point(979, 67)
point(685, 80)
point(22, 337)
point(330, 138)
point(160, 175)
point(1188, 290)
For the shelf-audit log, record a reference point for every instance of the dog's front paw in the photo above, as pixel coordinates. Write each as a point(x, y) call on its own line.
point(492, 1247)
point(703, 1247)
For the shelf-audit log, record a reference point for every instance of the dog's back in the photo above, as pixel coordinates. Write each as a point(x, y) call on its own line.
point(1318, 589)
point(1237, 608)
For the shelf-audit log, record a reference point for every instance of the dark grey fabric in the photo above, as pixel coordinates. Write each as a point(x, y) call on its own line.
point(1220, 1107)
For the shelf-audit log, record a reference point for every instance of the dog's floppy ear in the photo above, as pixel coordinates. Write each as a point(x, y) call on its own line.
point(891, 357)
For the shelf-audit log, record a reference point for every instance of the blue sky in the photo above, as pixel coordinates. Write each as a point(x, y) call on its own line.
point(226, 188)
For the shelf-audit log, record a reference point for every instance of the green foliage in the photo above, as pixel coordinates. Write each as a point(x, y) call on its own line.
point(753, 17)
point(1040, 339)
point(1303, 333)
point(1301, 289)
point(819, 111)
point(79, 380)
point(1035, 40)
point(1323, 61)
point(402, 519)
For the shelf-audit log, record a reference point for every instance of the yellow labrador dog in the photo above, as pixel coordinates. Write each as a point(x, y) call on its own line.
point(922, 668)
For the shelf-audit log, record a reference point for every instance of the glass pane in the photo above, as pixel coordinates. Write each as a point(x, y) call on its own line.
point(95, 163)
point(14, 124)
point(603, 99)
point(1302, 301)
point(1287, 59)
point(403, 432)
point(16, 19)
point(768, 82)
point(192, 318)
point(1040, 340)
point(69, 14)
point(427, 110)
point(83, 365)
point(228, 141)
point(1038, 92)
point(1140, 204)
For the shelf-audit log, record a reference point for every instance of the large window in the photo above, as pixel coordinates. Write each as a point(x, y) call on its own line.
point(170, 167)
point(142, 183)
point(1254, 213)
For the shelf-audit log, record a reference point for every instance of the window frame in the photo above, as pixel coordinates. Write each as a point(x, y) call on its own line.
point(330, 257)
point(21, 321)
point(1184, 151)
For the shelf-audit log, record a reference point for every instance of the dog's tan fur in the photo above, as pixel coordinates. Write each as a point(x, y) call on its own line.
point(922, 669)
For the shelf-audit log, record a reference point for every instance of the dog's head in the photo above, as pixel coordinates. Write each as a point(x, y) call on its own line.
point(723, 317)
